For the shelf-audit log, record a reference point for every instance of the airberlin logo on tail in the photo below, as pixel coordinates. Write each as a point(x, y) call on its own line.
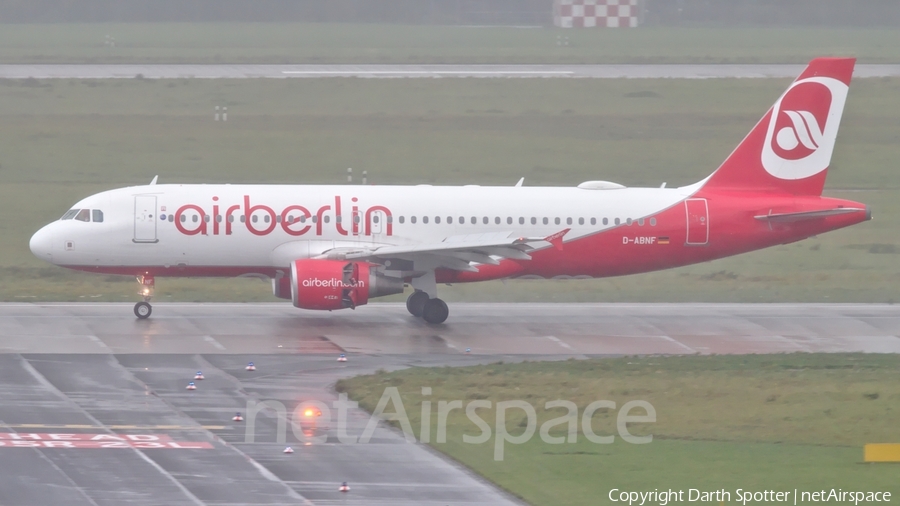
point(802, 128)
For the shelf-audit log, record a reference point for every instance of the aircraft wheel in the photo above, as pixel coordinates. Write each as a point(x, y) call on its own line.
point(435, 311)
point(415, 304)
point(142, 310)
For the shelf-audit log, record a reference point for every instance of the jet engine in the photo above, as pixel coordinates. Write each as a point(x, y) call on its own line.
point(333, 284)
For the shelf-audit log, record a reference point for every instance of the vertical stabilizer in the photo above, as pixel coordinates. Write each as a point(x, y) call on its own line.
point(789, 150)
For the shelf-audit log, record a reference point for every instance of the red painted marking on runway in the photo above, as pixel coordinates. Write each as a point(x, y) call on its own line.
point(96, 441)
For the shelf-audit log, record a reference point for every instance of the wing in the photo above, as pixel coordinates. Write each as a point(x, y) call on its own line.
point(458, 252)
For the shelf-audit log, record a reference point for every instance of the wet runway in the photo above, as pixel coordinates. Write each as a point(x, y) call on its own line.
point(485, 329)
point(94, 407)
point(633, 71)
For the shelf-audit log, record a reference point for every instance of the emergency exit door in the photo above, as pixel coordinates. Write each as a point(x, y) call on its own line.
point(145, 218)
point(697, 222)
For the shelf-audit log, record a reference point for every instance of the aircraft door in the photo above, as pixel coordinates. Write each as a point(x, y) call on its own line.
point(145, 219)
point(377, 225)
point(697, 222)
point(357, 225)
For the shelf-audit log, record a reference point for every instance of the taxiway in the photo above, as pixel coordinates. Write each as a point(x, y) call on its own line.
point(94, 409)
point(632, 71)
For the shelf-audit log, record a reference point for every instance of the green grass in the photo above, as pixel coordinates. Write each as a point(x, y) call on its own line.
point(373, 43)
point(63, 140)
point(758, 422)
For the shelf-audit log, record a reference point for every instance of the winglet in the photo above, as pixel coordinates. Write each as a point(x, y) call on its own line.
point(557, 239)
point(154, 179)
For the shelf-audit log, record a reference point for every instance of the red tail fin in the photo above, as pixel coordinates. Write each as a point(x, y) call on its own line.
point(789, 150)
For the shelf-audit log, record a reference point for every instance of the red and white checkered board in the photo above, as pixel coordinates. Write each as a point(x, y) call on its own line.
point(595, 13)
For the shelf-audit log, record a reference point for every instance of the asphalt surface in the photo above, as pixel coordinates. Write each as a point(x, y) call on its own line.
point(162, 71)
point(94, 408)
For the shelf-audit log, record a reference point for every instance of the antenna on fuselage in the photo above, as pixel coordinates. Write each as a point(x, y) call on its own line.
point(522, 180)
point(154, 179)
point(349, 176)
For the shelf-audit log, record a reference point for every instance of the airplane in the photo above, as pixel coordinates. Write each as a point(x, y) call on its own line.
point(328, 247)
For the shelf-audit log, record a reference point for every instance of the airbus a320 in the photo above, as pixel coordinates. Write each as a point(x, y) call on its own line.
point(337, 247)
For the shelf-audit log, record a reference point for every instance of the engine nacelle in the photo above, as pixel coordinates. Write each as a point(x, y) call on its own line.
point(333, 284)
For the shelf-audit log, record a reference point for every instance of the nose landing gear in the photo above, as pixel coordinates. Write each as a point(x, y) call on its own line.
point(143, 309)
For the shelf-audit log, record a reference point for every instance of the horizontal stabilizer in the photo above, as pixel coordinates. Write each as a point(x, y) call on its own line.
point(806, 215)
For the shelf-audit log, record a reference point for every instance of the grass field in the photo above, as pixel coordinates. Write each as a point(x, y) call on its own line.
point(373, 43)
point(63, 140)
point(759, 422)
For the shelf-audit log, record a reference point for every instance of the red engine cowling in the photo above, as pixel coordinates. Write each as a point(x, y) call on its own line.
point(333, 284)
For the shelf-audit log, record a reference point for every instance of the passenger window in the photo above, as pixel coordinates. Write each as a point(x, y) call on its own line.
point(617, 221)
point(485, 220)
point(462, 220)
point(497, 220)
point(83, 215)
point(641, 222)
point(568, 221)
point(437, 219)
point(593, 221)
point(325, 218)
point(97, 216)
point(509, 220)
point(219, 218)
point(606, 221)
point(356, 218)
point(206, 218)
point(315, 219)
point(290, 219)
point(374, 218)
point(254, 218)
point(402, 219)
point(581, 221)
point(390, 219)
point(533, 220)
point(546, 221)
point(172, 218)
point(652, 222)
point(195, 218)
point(449, 220)
point(425, 219)
point(521, 220)
point(629, 221)
point(556, 221)
point(412, 219)
point(184, 218)
point(70, 214)
point(474, 220)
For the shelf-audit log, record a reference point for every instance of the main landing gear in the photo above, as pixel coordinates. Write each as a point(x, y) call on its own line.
point(143, 309)
point(432, 310)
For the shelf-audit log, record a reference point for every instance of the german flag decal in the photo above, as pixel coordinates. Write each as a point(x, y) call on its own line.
point(662, 240)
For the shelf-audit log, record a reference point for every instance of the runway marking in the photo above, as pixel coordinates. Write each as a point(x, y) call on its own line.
point(431, 72)
point(211, 340)
point(561, 343)
point(679, 343)
point(113, 427)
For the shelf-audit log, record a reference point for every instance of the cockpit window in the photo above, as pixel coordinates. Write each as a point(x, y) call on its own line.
point(97, 216)
point(83, 215)
point(70, 214)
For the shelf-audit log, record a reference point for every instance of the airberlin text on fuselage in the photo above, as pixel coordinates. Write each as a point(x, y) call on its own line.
point(295, 220)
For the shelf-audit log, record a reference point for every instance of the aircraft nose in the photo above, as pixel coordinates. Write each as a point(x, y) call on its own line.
point(41, 244)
